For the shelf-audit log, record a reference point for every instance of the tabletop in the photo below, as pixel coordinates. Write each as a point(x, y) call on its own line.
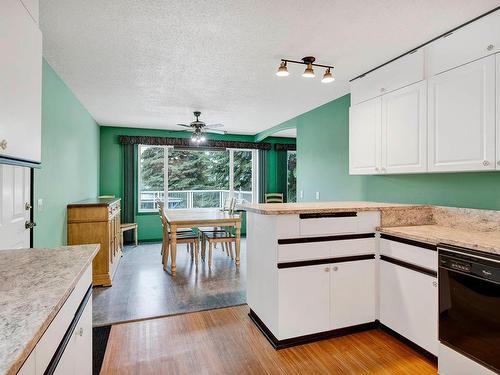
point(200, 216)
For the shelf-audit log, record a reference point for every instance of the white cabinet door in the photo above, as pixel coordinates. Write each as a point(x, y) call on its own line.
point(404, 130)
point(14, 195)
point(304, 300)
point(409, 304)
point(399, 73)
point(352, 293)
point(474, 41)
point(365, 131)
point(20, 83)
point(498, 110)
point(462, 118)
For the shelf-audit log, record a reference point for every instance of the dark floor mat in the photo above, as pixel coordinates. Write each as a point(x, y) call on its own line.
point(100, 337)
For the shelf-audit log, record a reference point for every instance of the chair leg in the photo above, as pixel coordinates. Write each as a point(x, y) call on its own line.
point(135, 237)
point(203, 247)
point(196, 253)
point(209, 254)
point(166, 251)
point(230, 244)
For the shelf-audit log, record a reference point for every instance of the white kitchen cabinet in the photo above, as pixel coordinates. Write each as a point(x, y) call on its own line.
point(498, 111)
point(21, 83)
point(33, 8)
point(404, 130)
point(352, 293)
point(409, 304)
point(365, 131)
point(304, 300)
point(462, 118)
point(395, 75)
point(471, 42)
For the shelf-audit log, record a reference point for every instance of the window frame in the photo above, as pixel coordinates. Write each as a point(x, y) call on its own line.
point(255, 175)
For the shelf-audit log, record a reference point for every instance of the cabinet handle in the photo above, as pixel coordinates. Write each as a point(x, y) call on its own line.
point(434, 284)
point(377, 169)
point(490, 47)
point(3, 144)
point(383, 169)
point(335, 268)
point(327, 269)
point(486, 163)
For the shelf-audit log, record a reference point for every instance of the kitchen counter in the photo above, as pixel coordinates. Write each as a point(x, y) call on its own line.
point(488, 241)
point(34, 284)
point(323, 207)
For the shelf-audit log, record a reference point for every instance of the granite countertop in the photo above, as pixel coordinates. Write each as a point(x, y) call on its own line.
point(487, 241)
point(34, 284)
point(321, 207)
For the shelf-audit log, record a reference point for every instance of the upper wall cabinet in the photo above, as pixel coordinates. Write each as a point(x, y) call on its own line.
point(365, 122)
point(402, 72)
point(20, 83)
point(474, 41)
point(32, 6)
point(462, 118)
point(404, 130)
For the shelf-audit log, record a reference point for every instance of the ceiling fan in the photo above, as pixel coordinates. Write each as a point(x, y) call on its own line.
point(199, 128)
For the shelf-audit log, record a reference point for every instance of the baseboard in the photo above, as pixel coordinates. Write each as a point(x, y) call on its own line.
point(294, 341)
point(408, 342)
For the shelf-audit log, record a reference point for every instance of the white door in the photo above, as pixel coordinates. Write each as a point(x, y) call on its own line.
point(462, 118)
point(365, 122)
point(352, 293)
point(404, 130)
point(20, 83)
point(498, 110)
point(14, 196)
point(409, 304)
point(304, 300)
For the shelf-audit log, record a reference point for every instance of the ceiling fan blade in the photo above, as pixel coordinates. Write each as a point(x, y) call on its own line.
point(212, 126)
point(184, 125)
point(215, 131)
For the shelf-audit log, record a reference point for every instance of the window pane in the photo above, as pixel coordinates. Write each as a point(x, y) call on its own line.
point(197, 179)
point(151, 177)
point(291, 176)
point(243, 176)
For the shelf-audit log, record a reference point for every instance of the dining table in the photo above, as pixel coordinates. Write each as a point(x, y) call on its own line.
point(199, 218)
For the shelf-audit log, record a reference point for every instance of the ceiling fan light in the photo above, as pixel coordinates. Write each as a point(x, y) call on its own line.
point(309, 72)
point(328, 76)
point(282, 70)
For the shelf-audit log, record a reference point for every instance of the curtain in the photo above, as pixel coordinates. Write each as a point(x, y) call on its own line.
point(281, 173)
point(263, 173)
point(128, 199)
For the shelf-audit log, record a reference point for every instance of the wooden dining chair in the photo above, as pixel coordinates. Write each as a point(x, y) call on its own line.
point(229, 206)
point(273, 198)
point(186, 236)
point(224, 237)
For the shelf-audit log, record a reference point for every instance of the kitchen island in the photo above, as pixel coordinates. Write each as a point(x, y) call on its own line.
point(317, 270)
point(44, 293)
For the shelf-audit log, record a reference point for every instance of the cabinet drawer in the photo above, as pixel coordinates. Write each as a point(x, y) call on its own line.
point(472, 42)
point(50, 340)
point(327, 249)
point(418, 255)
point(338, 223)
point(399, 73)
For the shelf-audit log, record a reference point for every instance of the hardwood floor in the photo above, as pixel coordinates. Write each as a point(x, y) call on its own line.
point(225, 341)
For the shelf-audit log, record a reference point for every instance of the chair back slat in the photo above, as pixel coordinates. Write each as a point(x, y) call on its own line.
point(273, 198)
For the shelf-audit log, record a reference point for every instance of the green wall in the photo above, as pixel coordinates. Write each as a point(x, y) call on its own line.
point(70, 159)
point(111, 168)
point(323, 165)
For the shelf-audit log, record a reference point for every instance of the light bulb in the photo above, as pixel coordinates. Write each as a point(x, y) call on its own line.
point(282, 70)
point(309, 72)
point(328, 76)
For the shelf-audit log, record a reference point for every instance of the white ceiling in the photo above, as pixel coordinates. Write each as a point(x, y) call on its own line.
point(150, 63)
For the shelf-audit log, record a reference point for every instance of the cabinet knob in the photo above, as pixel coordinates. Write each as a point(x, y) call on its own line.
point(79, 332)
point(327, 269)
point(335, 268)
point(486, 163)
point(377, 169)
point(3, 144)
point(434, 284)
point(490, 47)
point(383, 169)
point(382, 89)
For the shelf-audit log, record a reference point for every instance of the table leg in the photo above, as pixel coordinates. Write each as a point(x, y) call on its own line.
point(238, 237)
point(173, 239)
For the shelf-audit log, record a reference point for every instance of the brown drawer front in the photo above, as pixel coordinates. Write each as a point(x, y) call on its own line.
point(87, 214)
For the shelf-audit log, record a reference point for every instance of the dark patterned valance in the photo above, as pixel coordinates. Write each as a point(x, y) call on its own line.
point(186, 143)
point(285, 147)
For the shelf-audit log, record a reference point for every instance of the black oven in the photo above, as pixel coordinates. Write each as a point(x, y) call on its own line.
point(469, 304)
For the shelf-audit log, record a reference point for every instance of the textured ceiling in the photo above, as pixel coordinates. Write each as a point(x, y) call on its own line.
point(150, 63)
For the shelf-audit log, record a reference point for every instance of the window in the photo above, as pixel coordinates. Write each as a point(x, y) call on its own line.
point(195, 178)
point(291, 176)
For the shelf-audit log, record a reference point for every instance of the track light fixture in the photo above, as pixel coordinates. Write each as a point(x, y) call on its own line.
point(309, 71)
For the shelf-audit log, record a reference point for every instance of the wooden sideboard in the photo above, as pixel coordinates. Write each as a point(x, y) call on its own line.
point(97, 221)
